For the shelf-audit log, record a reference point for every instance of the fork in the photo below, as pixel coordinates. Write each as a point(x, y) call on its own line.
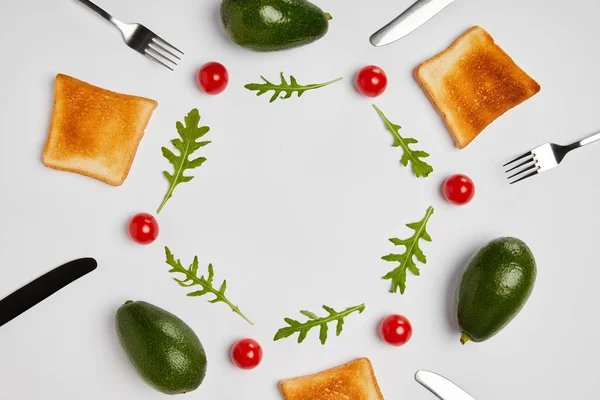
point(142, 39)
point(543, 158)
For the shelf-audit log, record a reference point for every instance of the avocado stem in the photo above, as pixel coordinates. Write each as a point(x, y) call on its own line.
point(128, 302)
point(328, 16)
point(464, 338)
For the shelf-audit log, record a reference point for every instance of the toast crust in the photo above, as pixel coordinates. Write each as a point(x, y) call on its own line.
point(353, 381)
point(95, 132)
point(472, 83)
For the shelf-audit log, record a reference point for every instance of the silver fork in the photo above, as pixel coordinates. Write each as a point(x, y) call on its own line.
point(142, 39)
point(543, 158)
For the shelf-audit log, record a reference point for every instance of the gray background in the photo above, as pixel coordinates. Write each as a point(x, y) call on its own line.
point(297, 200)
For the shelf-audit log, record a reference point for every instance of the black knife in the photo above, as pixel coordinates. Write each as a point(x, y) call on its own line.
point(43, 287)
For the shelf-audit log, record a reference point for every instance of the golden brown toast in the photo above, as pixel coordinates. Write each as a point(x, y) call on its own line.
point(95, 132)
point(352, 381)
point(472, 83)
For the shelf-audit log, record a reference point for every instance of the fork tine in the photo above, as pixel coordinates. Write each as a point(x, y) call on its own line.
point(518, 158)
point(157, 60)
point(532, 168)
point(164, 42)
point(520, 165)
point(160, 55)
point(162, 48)
point(525, 177)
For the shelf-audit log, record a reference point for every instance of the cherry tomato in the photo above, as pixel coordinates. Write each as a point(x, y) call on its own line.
point(395, 330)
point(143, 228)
point(246, 354)
point(213, 78)
point(371, 81)
point(459, 189)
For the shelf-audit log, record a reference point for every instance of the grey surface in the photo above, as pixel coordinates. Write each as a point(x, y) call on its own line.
point(296, 202)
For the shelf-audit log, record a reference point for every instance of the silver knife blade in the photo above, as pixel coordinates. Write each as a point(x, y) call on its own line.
point(419, 13)
point(43, 287)
point(441, 387)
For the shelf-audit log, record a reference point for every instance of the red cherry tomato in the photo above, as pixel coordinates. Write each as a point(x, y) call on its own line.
point(371, 81)
point(459, 189)
point(246, 354)
point(143, 228)
point(213, 78)
point(395, 330)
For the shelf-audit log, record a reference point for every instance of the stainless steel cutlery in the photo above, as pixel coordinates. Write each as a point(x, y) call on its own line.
point(542, 158)
point(415, 16)
point(142, 39)
point(441, 387)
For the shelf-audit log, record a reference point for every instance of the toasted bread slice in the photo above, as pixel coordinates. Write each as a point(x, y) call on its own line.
point(352, 381)
point(472, 83)
point(95, 132)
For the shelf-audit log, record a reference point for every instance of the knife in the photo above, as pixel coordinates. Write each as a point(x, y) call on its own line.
point(441, 387)
point(43, 287)
point(419, 13)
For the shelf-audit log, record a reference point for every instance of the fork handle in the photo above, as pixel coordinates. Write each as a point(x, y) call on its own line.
point(100, 11)
point(584, 142)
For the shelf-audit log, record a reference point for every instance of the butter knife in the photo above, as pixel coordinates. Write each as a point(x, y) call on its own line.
point(441, 387)
point(43, 287)
point(419, 13)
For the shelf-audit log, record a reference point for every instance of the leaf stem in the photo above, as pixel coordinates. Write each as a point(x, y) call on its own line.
point(287, 88)
point(175, 178)
point(404, 265)
point(320, 85)
point(317, 322)
point(419, 167)
point(417, 236)
point(395, 133)
point(163, 203)
point(214, 291)
point(274, 86)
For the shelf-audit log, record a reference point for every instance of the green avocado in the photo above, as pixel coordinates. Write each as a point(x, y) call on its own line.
point(165, 351)
point(273, 25)
point(495, 286)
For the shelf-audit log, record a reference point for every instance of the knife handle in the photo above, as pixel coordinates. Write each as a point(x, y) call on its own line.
point(43, 287)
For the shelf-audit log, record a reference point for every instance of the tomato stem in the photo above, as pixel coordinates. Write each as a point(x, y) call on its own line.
point(464, 338)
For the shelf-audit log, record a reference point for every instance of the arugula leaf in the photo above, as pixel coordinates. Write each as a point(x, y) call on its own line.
point(419, 167)
point(192, 279)
point(287, 88)
point(398, 275)
point(186, 145)
point(314, 321)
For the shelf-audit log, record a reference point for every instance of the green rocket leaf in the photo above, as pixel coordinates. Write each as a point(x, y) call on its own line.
point(285, 87)
point(419, 167)
point(186, 144)
point(191, 278)
point(314, 321)
point(398, 275)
